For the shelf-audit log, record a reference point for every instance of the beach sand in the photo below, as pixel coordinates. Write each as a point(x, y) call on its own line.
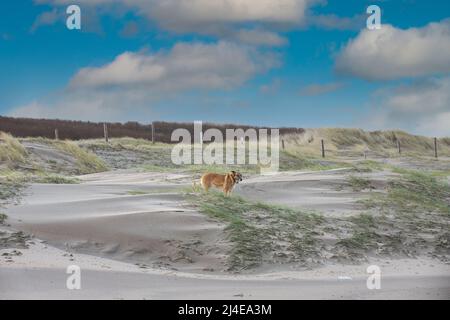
point(134, 237)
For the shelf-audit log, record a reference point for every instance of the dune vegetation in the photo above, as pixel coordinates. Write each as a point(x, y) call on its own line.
point(302, 151)
point(11, 150)
point(17, 154)
point(345, 148)
point(406, 215)
point(357, 142)
point(408, 218)
point(261, 232)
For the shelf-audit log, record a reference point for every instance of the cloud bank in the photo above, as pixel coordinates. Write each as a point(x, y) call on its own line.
point(422, 106)
point(134, 81)
point(186, 66)
point(392, 53)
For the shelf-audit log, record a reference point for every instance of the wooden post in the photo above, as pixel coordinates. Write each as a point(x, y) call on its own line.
point(323, 149)
point(105, 131)
point(435, 148)
point(399, 147)
point(282, 143)
point(56, 134)
point(153, 132)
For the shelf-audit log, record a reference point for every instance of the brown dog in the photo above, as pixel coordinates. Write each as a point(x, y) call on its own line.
point(224, 181)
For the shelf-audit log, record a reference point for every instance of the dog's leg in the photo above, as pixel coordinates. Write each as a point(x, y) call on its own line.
point(226, 190)
point(226, 186)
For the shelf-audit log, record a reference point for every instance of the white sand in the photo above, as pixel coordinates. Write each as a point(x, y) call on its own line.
point(102, 220)
point(40, 273)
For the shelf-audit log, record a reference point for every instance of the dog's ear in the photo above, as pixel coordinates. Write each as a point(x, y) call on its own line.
point(233, 172)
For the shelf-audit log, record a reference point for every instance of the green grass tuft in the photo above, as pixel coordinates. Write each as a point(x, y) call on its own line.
point(419, 192)
point(359, 184)
point(3, 218)
point(260, 232)
point(412, 217)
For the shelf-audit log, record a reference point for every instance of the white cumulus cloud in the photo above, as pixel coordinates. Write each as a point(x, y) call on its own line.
point(391, 53)
point(259, 37)
point(223, 19)
point(190, 14)
point(422, 107)
point(221, 65)
point(135, 81)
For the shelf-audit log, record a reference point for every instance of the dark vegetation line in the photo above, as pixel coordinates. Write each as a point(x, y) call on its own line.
point(77, 130)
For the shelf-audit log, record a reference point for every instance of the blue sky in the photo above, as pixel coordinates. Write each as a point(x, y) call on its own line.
point(308, 63)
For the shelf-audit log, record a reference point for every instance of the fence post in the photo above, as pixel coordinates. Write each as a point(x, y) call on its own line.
point(153, 131)
point(282, 143)
point(399, 147)
point(56, 134)
point(323, 149)
point(435, 148)
point(105, 131)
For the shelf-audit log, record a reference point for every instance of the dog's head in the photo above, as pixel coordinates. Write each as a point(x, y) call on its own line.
point(237, 176)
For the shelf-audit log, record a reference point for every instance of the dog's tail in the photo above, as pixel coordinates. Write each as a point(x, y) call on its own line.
point(198, 184)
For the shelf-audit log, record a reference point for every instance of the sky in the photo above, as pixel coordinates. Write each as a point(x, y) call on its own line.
point(301, 63)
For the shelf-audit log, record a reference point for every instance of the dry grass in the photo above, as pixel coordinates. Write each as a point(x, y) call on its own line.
point(11, 151)
point(262, 233)
point(86, 161)
point(410, 218)
point(355, 142)
point(14, 156)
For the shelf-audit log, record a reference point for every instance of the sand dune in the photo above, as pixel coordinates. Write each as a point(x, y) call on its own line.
point(109, 220)
point(40, 273)
point(310, 190)
point(169, 250)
